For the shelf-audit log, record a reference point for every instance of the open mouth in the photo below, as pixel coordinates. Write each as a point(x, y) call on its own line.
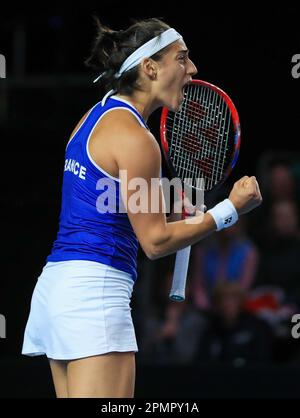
point(185, 86)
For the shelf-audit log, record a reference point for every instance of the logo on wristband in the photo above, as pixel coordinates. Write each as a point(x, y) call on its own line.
point(228, 220)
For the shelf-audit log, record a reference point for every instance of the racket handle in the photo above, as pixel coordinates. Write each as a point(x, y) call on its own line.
point(180, 273)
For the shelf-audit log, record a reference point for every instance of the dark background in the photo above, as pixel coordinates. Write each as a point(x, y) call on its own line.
point(246, 50)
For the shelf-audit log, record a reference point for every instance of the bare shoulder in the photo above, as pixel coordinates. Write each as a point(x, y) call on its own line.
point(130, 142)
point(123, 125)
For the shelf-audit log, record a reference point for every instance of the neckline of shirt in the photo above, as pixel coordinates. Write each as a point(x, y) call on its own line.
point(129, 104)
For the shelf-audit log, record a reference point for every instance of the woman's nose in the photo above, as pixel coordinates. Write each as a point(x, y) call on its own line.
point(193, 69)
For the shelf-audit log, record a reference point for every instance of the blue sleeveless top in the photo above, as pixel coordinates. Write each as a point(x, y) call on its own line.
point(86, 230)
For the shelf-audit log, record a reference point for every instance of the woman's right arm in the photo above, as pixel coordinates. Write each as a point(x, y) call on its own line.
point(139, 155)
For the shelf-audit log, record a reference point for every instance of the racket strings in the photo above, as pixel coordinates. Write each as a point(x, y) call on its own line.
point(207, 132)
point(198, 135)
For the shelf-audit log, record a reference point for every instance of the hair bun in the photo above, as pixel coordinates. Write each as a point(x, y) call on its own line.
point(117, 35)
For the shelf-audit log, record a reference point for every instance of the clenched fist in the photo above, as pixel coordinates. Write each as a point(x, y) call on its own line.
point(245, 194)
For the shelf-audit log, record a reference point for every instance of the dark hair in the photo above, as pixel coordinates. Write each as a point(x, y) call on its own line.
point(111, 48)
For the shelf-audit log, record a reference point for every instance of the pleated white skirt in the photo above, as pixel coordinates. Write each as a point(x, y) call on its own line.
point(79, 309)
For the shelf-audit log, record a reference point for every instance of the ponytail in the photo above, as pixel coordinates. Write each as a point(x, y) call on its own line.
point(111, 48)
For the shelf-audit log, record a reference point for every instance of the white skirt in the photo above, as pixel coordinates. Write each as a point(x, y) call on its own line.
point(78, 309)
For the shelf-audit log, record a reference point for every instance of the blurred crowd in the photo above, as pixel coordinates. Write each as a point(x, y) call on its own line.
point(243, 286)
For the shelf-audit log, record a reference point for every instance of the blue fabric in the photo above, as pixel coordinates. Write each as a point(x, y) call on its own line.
point(85, 233)
point(235, 259)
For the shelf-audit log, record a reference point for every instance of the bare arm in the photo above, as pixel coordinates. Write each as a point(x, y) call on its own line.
point(138, 153)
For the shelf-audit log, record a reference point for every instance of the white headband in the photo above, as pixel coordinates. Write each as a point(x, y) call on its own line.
point(147, 50)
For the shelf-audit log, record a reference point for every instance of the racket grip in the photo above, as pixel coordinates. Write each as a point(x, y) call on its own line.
point(177, 292)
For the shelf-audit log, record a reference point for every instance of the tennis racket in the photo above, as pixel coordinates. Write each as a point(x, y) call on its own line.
point(201, 141)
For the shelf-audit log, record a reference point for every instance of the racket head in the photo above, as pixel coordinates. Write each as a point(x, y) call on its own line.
point(202, 139)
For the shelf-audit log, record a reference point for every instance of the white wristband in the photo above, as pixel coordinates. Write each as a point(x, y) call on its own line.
point(224, 214)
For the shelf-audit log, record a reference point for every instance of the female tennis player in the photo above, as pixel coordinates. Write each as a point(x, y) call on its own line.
point(80, 310)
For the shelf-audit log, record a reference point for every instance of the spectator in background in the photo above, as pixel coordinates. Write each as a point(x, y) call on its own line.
point(173, 336)
point(279, 184)
point(233, 335)
point(275, 230)
point(276, 294)
point(279, 263)
point(282, 183)
point(231, 256)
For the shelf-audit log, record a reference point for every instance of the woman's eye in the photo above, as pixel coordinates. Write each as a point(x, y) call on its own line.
point(183, 58)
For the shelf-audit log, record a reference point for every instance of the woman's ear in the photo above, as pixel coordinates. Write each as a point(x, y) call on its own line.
point(149, 67)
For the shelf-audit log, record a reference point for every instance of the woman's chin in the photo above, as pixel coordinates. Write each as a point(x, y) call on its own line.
point(175, 105)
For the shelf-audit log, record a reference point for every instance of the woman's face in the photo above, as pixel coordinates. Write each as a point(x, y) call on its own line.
point(175, 70)
point(285, 218)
